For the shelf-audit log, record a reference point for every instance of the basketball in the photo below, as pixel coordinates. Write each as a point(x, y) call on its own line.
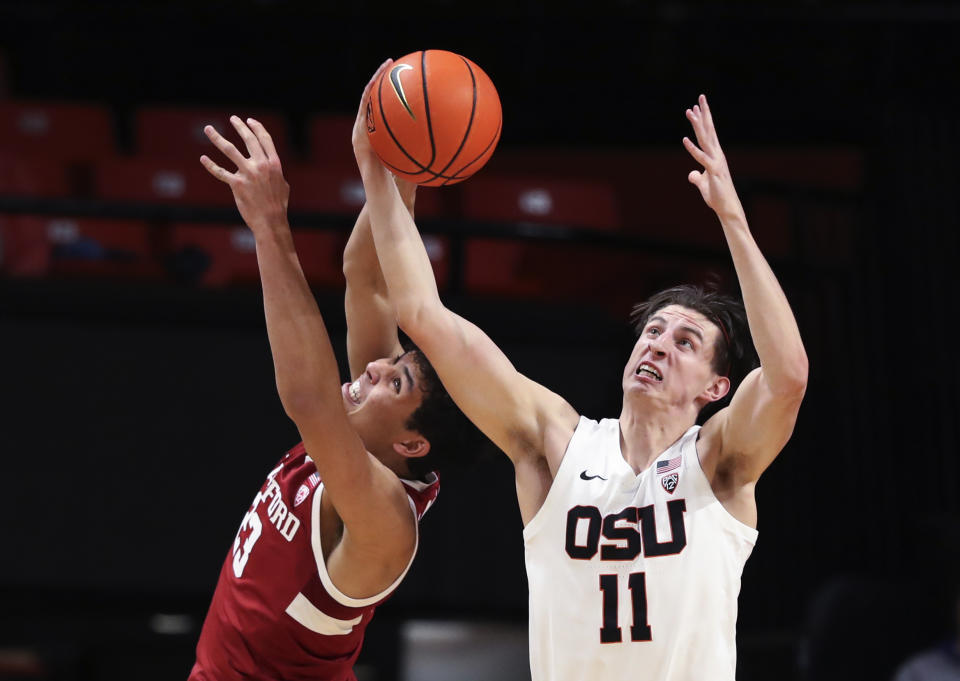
point(434, 118)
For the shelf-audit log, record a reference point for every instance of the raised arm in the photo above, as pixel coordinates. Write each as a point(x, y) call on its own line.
point(368, 498)
point(518, 415)
point(752, 430)
point(371, 323)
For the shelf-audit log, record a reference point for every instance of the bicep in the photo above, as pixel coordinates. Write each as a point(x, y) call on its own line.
point(756, 425)
point(505, 405)
point(371, 328)
point(365, 494)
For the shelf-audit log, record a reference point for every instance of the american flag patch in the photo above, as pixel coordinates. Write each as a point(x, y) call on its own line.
point(314, 480)
point(667, 466)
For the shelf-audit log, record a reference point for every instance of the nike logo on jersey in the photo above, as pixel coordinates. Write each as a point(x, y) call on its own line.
point(584, 476)
point(398, 86)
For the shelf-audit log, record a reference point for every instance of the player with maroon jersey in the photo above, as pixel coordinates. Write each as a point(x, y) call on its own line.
point(333, 530)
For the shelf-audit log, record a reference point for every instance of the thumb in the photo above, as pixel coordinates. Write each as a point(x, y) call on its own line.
point(694, 177)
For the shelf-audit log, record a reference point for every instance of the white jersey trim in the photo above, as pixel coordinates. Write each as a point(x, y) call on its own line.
point(328, 584)
point(421, 485)
point(317, 621)
point(749, 533)
point(539, 517)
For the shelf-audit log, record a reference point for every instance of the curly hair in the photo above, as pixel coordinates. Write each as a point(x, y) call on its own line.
point(454, 441)
point(733, 353)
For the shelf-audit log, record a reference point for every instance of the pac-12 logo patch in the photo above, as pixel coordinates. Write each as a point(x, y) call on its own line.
point(302, 494)
point(669, 482)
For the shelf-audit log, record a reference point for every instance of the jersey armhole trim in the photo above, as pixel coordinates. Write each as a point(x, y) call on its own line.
point(530, 529)
point(328, 584)
point(747, 532)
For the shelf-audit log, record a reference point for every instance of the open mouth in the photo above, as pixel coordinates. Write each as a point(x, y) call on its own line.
point(354, 391)
point(650, 371)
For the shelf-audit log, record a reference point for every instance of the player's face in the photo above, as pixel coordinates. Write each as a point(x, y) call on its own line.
point(671, 361)
point(382, 398)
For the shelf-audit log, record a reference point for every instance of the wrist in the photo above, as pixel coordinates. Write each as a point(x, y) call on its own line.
point(372, 171)
point(269, 227)
point(732, 214)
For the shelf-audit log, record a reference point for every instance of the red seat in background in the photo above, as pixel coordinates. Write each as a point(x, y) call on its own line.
point(223, 255)
point(68, 131)
point(158, 181)
point(33, 176)
point(177, 132)
point(329, 139)
point(337, 189)
point(527, 198)
point(33, 246)
point(570, 271)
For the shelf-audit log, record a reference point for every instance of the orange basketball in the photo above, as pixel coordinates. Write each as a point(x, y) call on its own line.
point(434, 117)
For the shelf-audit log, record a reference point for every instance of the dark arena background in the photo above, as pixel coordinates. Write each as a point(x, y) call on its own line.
point(139, 411)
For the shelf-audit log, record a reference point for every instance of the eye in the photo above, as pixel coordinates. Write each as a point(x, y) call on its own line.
point(685, 340)
point(396, 385)
point(653, 331)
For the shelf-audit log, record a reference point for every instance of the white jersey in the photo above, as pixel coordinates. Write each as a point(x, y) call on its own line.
point(633, 576)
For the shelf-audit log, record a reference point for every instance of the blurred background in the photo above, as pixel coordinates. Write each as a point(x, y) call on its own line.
point(139, 411)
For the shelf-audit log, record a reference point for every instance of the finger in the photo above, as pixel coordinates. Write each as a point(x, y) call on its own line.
point(694, 177)
point(369, 88)
point(707, 118)
point(253, 144)
point(264, 138)
point(698, 154)
point(224, 145)
point(216, 170)
point(697, 122)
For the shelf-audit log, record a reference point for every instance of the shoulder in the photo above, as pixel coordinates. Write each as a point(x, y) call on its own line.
point(545, 428)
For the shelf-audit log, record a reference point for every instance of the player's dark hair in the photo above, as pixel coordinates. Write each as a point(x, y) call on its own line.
point(733, 353)
point(454, 441)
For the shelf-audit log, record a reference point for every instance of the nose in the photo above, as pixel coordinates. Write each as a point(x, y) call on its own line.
point(373, 372)
point(657, 347)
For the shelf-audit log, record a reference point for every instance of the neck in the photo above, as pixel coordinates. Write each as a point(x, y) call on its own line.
point(396, 463)
point(646, 432)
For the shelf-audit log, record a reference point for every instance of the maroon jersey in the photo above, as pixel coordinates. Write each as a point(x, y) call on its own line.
point(275, 613)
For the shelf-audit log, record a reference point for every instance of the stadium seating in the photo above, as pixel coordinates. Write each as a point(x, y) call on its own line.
point(34, 246)
point(70, 132)
point(177, 132)
point(154, 180)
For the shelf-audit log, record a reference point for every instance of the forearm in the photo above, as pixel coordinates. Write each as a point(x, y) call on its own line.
point(360, 266)
point(304, 363)
point(403, 258)
point(773, 326)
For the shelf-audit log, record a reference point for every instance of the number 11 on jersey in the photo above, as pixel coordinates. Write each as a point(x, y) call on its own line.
point(640, 629)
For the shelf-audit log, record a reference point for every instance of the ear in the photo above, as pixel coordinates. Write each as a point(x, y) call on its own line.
point(717, 390)
point(413, 448)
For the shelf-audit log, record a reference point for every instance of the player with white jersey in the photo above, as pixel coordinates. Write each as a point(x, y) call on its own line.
point(636, 528)
point(650, 558)
point(334, 528)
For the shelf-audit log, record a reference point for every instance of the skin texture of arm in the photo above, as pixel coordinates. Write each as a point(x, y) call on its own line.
point(371, 324)
point(739, 442)
point(528, 422)
point(378, 528)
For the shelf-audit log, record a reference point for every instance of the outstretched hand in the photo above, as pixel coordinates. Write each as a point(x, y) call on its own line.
point(367, 159)
point(258, 186)
point(714, 181)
